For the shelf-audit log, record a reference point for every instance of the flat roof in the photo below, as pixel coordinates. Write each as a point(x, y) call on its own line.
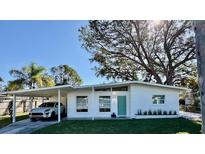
point(52, 91)
point(131, 82)
point(40, 92)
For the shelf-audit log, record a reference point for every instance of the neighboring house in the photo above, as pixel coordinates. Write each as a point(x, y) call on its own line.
point(132, 99)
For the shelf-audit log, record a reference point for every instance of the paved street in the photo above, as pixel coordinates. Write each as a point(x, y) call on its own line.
point(190, 115)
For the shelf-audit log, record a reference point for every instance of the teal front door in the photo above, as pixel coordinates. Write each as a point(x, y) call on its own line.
point(121, 103)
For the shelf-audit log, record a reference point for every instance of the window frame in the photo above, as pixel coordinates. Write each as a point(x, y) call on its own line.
point(81, 110)
point(104, 109)
point(159, 100)
point(102, 89)
point(120, 88)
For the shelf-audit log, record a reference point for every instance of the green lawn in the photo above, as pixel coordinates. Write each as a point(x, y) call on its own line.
point(5, 120)
point(148, 126)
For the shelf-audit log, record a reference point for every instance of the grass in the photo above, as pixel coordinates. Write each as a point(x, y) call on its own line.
point(6, 120)
point(148, 126)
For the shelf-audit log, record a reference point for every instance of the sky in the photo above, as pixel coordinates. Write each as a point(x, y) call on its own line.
point(47, 43)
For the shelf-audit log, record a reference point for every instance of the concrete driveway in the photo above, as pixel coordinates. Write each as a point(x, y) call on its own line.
point(190, 115)
point(25, 127)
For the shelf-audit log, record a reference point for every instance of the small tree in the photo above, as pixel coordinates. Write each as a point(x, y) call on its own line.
point(63, 74)
point(1, 80)
point(191, 81)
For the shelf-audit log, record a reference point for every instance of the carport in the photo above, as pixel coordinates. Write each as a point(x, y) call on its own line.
point(57, 91)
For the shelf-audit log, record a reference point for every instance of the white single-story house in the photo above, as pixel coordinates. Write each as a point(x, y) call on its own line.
point(130, 99)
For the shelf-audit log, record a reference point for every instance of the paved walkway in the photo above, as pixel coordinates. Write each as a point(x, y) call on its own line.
point(190, 115)
point(25, 127)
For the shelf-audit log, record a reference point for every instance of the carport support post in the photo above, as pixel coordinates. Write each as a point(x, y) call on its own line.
point(93, 102)
point(31, 104)
point(14, 109)
point(59, 100)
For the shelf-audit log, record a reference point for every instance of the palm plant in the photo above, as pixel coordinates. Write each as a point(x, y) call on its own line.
point(32, 76)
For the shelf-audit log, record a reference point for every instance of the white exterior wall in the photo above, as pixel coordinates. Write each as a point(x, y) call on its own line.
point(141, 99)
point(93, 107)
point(138, 97)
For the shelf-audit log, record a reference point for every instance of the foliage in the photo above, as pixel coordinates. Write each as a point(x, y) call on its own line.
point(191, 81)
point(113, 115)
point(154, 112)
point(139, 112)
point(63, 74)
point(6, 120)
point(131, 50)
point(31, 76)
point(1, 80)
point(149, 112)
point(159, 112)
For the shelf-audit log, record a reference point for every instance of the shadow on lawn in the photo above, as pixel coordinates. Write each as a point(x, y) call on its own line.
point(7, 120)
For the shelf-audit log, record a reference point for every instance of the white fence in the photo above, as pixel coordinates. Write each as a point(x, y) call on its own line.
point(22, 104)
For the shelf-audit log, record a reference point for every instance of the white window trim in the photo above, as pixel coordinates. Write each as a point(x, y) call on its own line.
point(159, 95)
point(110, 103)
point(77, 103)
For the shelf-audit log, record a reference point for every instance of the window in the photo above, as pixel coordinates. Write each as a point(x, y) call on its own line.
point(103, 89)
point(82, 104)
point(105, 103)
point(120, 88)
point(158, 99)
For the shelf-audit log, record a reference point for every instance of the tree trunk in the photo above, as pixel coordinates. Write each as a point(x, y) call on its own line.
point(156, 76)
point(169, 77)
point(199, 27)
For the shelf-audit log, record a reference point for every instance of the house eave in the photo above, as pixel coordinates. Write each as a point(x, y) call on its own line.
point(50, 91)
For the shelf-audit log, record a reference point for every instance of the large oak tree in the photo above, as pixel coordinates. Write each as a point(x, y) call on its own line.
point(161, 52)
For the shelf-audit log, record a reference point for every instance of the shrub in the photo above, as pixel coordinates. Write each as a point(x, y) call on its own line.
point(159, 112)
point(170, 112)
point(113, 115)
point(145, 113)
point(149, 112)
point(139, 112)
point(165, 113)
point(175, 113)
point(154, 112)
